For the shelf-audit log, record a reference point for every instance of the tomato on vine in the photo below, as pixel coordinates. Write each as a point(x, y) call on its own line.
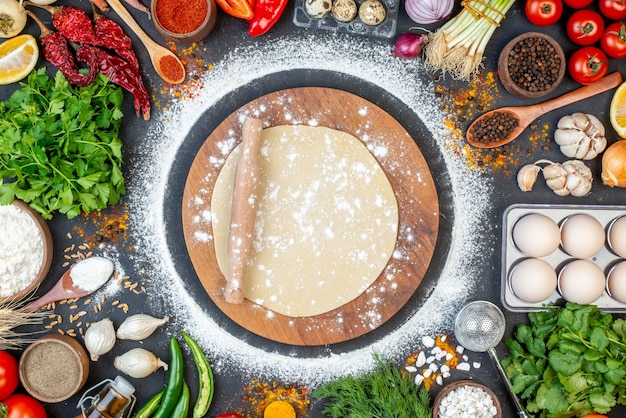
point(613, 9)
point(587, 65)
point(543, 12)
point(585, 27)
point(613, 40)
point(578, 4)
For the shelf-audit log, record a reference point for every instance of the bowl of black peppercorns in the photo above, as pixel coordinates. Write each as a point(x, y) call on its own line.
point(531, 65)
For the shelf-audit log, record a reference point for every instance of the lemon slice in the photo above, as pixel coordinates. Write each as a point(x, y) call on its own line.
point(617, 112)
point(18, 57)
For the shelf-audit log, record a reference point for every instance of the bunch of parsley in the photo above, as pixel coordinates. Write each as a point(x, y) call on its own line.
point(59, 145)
point(383, 393)
point(568, 362)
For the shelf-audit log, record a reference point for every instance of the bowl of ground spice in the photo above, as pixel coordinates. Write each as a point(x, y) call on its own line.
point(184, 21)
point(54, 368)
point(26, 251)
point(531, 65)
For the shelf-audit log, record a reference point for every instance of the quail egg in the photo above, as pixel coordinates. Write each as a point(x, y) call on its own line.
point(318, 8)
point(344, 10)
point(372, 12)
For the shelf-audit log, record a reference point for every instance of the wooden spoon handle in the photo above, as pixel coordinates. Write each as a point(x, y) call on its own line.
point(132, 24)
point(243, 212)
point(600, 86)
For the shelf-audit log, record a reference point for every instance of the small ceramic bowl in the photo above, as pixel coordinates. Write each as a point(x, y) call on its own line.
point(46, 237)
point(445, 391)
point(503, 68)
point(54, 368)
point(194, 36)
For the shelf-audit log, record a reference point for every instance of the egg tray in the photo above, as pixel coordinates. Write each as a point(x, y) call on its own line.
point(605, 259)
point(387, 29)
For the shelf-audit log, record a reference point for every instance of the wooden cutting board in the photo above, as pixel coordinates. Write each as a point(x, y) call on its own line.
point(402, 162)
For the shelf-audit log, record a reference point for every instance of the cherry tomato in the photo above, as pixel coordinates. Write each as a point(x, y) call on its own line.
point(596, 416)
point(23, 406)
point(9, 374)
point(585, 27)
point(613, 40)
point(229, 416)
point(578, 4)
point(544, 12)
point(613, 9)
point(587, 65)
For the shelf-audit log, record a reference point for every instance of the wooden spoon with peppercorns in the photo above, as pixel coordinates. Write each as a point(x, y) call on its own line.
point(501, 126)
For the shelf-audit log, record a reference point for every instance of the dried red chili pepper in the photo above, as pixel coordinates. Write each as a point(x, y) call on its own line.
point(74, 24)
point(119, 72)
point(266, 14)
point(110, 35)
point(237, 8)
point(57, 52)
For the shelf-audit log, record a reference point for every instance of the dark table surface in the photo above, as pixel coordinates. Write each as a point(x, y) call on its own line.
point(455, 170)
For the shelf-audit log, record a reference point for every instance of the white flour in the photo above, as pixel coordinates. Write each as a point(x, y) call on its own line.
point(357, 57)
point(91, 273)
point(21, 250)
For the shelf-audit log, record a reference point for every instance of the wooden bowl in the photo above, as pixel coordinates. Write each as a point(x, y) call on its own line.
point(503, 68)
point(54, 368)
point(46, 237)
point(460, 383)
point(194, 36)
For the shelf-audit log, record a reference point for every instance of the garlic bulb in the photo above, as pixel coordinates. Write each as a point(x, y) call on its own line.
point(579, 177)
point(556, 178)
point(571, 177)
point(100, 338)
point(527, 176)
point(580, 135)
point(614, 165)
point(139, 326)
point(138, 363)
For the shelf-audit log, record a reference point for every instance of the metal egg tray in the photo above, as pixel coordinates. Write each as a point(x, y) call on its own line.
point(605, 259)
point(387, 29)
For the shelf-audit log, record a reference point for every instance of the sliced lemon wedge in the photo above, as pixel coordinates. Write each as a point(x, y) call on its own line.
point(617, 111)
point(18, 57)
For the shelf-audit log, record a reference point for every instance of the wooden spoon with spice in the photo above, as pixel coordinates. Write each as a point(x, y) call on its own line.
point(166, 64)
point(501, 126)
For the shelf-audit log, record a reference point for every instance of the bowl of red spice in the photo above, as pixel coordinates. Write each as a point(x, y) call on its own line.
point(184, 21)
point(531, 65)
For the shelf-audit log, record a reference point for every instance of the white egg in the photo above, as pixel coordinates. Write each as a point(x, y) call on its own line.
point(581, 281)
point(617, 236)
point(582, 235)
point(616, 282)
point(536, 235)
point(533, 280)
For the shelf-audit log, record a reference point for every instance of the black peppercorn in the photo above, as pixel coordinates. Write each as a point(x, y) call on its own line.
point(494, 128)
point(534, 64)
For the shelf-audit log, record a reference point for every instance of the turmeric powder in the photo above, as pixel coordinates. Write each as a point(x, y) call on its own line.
point(279, 409)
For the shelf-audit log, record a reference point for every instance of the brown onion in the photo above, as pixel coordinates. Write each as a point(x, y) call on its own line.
point(614, 165)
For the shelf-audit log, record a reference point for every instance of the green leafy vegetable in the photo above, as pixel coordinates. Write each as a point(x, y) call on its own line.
point(568, 362)
point(59, 145)
point(383, 393)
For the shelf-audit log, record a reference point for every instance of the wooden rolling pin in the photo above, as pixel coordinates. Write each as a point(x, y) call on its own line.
point(243, 211)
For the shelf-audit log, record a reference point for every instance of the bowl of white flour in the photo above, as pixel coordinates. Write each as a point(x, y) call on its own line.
point(25, 251)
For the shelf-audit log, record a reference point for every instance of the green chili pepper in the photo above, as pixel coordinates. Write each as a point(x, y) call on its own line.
point(182, 405)
point(151, 406)
point(174, 381)
point(205, 378)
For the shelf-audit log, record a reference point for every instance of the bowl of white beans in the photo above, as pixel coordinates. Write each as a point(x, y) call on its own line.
point(464, 397)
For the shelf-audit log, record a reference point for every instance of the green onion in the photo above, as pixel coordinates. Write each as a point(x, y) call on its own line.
point(457, 47)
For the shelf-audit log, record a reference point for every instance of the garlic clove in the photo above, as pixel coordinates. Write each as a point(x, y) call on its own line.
point(100, 338)
point(526, 177)
point(138, 363)
point(139, 326)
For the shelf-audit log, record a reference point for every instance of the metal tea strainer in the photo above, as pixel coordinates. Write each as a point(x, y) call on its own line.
point(479, 327)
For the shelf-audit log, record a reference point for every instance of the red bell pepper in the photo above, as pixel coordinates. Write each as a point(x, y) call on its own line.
point(266, 14)
point(237, 8)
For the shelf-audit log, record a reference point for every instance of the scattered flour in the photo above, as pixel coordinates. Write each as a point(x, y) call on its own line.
point(351, 56)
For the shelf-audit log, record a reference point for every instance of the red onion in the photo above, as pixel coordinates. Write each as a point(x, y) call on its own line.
point(409, 45)
point(428, 11)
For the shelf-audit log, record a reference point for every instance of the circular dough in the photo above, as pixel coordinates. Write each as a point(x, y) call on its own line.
point(326, 221)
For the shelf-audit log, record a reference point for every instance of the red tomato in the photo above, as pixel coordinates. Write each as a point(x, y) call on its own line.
point(23, 406)
point(613, 40)
point(585, 27)
point(578, 4)
point(587, 65)
point(229, 416)
point(596, 416)
point(613, 9)
point(544, 12)
point(9, 374)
